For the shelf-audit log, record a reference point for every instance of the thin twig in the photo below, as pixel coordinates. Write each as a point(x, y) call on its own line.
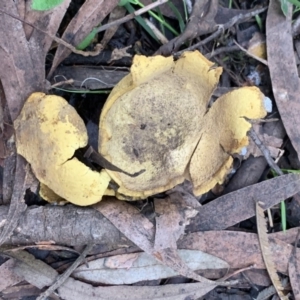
point(265, 151)
point(222, 50)
point(98, 47)
point(221, 28)
point(263, 61)
point(69, 81)
point(156, 32)
point(63, 277)
point(132, 15)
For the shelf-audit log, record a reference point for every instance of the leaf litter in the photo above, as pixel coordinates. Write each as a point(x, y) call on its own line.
point(89, 16)
point(265, 250)
point(165, 250)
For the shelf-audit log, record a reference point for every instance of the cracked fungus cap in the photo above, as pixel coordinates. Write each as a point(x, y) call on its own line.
point(48, 131)
point(157, 119)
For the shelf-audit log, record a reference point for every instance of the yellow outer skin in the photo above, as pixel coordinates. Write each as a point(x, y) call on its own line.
point(169, 98)
point(224, 133)
point(48, 131)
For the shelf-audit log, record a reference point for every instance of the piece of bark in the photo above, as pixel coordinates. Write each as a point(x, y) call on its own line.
point(75, 226)
point(7, 276)
point(68, 225)
point(17, 204)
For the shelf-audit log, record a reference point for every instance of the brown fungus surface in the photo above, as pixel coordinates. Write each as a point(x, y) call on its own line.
point(48, 132)
point(157, 119)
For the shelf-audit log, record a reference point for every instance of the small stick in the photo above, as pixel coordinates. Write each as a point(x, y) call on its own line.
point(263, 61)
point(69, 81)
point(265, 151)
point(222, 50)
point(132, 15)
point(221, 28)
point(156, 32)
point(63, 277)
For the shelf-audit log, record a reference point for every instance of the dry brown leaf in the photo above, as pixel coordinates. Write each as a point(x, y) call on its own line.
point(30, 268)
point(294, 271)
point(283, 70)
point(271, 142)
point(21, 6)
point(36, 271)
point(132, 268)
point(17, 203)
point(79, 290)
point(117, 13)
point(7, 276)
point(20, 291)
point(185, 190)
point(172, 215)
point(48, 21)
point(266, 293)
point(237, 206)
point(90, 15)
point(140, 231)
point(22, 71)
point(119, 53)
point(83, 225)
point(288, 236)
point(238, 249)
point(265, 250)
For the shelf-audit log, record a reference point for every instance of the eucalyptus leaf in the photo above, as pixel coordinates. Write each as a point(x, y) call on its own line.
point(284, 7)
point(87, 40)
point(45, 4)
point(295, 2)
point(123, 2)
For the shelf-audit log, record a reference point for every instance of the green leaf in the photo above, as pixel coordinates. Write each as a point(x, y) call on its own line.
point(178, 15)
point(283, 215)
point(45, 4)
point(123, 2)
point(295, 2)
point(87, 40)
point(284, 7)
point(141, 21)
